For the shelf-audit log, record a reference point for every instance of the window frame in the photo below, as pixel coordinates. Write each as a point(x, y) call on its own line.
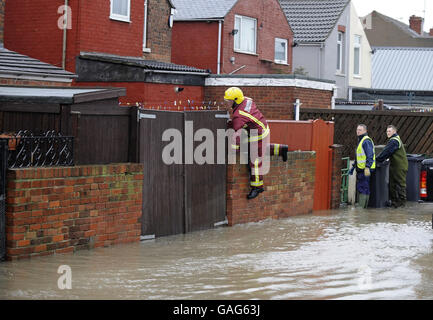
point(281, 40)
point(240, 33)
point(145, 48)
point(119, 17)
point(355, 47)
point(340, 51)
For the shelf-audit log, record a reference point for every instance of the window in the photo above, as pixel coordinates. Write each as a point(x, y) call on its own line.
point(280, 50)
point(357, 56)
point(120, 10)
point(246, 35)
point(340, 52)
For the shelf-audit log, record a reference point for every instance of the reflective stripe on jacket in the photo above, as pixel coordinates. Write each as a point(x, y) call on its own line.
point(361, 157)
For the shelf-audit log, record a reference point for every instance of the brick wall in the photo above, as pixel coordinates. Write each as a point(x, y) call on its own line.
point(337, 154)
point(276, 103)
point(38, 35)
point(61, 210)
point(196, 44)
point(158, 31)
point(289, 190)
point(152, 95)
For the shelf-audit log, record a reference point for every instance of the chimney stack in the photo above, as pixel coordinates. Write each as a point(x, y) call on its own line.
point(431, 32)
point(416, 24)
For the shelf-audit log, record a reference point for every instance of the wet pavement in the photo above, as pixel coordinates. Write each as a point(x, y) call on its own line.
point(344, 254)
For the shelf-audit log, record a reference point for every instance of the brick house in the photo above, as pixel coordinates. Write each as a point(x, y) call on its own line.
point(232, 36)
point(104, 43)
point(17, 69)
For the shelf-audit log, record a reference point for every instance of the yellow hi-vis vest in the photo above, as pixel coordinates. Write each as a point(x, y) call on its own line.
point(361, 158)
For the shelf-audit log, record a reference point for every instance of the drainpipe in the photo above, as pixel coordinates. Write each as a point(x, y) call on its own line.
point(219, 47)
point(65, 28)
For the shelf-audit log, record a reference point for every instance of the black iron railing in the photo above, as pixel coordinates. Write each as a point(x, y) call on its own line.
point(48, 149)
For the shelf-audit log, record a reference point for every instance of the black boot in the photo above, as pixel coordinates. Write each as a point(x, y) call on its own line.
point(254, 193)
point(284, 150)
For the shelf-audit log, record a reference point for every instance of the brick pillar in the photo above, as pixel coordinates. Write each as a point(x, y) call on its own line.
point(337, 151)
point(416, 24)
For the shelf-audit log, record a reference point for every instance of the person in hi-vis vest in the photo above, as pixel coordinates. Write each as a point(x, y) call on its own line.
point(365, 163)
point(398, 167)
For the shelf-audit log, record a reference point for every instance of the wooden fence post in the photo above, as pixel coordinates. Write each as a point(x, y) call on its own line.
point(134, 127)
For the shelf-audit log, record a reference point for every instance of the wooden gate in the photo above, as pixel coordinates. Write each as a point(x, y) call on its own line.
point(186, 196)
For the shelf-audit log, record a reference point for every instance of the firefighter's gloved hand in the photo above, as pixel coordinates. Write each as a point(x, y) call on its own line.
point(351, 170)
point(229, 123)
point(367, 172)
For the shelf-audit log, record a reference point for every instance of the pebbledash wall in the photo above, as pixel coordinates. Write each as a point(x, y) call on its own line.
point(61, 210)
point(275, 95)
point(289, 189)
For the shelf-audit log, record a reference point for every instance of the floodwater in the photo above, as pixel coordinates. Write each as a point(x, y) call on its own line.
point(343, 254)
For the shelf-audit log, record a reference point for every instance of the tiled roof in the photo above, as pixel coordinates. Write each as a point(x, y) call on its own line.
point(312, 20)
point(202, 9)
point(139, 62)
point(18, 65)
point(402, 69)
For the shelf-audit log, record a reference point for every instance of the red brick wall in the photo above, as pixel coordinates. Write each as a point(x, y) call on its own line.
point(274, 24)
point(33, 31)
point(60, 210)
point(276, 103)
point(152, 95)
point(289, 190)
point(16, 82)
point(196, 44)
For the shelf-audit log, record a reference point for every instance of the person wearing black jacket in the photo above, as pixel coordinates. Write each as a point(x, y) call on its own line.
point(398, 167)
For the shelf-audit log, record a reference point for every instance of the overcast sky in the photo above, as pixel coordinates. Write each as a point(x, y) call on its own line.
point(398, 9)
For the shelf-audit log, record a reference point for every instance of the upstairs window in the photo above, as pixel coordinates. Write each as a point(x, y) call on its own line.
point(281, 51)
point(340, 52)
point(357, 56)
point(245, 34)
point(120, 10)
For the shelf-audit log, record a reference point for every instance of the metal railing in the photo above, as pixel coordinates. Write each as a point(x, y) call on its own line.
point(43, 150)
point(345, 180)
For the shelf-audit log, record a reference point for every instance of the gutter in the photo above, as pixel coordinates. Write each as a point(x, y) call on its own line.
point(219, 47)
point(65, 30)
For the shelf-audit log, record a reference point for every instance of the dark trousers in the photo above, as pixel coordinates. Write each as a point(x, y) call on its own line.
point(397, 186)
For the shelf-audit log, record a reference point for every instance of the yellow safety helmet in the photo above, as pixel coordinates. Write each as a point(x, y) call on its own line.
point(235, 94)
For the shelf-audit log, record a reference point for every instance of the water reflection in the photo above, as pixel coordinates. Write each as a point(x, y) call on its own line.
point(345, 254)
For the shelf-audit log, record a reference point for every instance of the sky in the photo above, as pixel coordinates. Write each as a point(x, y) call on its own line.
point(398, 9)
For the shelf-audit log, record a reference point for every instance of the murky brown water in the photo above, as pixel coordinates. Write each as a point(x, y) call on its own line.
point(346, 254)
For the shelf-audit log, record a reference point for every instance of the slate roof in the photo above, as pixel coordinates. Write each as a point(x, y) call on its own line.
point(404, 27)
point(139, 62)
point(14, 64)
point(187, 10)
point(313, 20)
point(402, 68)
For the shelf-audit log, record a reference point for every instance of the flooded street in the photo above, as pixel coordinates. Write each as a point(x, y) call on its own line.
point(345, 254)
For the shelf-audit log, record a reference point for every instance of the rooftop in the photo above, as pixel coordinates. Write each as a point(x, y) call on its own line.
point(187, 10)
